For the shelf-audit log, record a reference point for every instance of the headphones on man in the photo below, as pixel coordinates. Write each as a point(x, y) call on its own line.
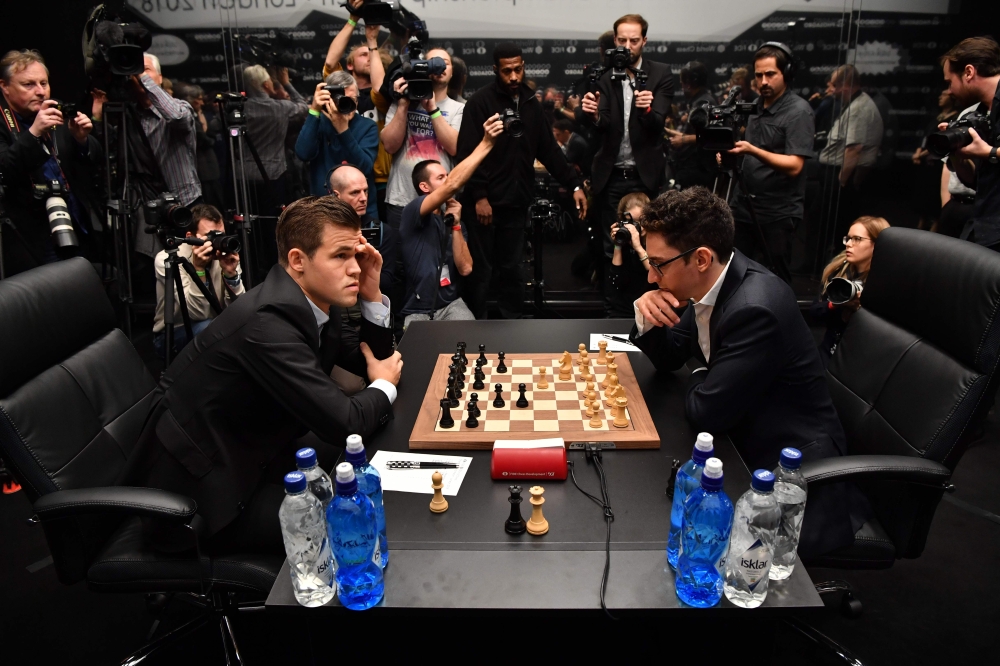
point(789, 70)
point(329, 173)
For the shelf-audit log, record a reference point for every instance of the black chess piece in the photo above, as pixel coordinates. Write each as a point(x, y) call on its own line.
point(500, 366)
point(461, 351)
point(480, 376)
point(522, 402)
point(515, 523)
point(474, 402)
point(459, 378)
point(446, 420)
point(472, 421)
point(482, 354)
point(457, 360)
point(453, 394)
point(499, 399)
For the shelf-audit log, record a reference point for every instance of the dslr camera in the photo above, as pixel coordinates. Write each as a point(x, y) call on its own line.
point(60, 223)
point(717, 128)
point(512, 123)
point(67, 110)
point(620, 60)
point(223, 244)
point(417, 70)
point(345, 104)
point(372, 12)
point(623, 237)
point(841, 290)
point(957, 136)
point(167, 214)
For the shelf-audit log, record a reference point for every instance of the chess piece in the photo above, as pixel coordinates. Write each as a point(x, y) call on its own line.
point(522, 402)
point(457, 360)
point(438, 503)
point(474, 404)
point(461, 351)
point(621, 421)
point(482, 354)
point(472, 421)
point(543, 383)
point(612, 380)
point(612, 369)
point(446, 420)
point(457, 374)
point(583, 353)
point(537, 525)
point(480, 376)
point(515, 523)
point(590, 387)
point(501, 368)
point(565, 367)
point(499, 399)
point(585, 373)
point(452, 396)
point(589, 405)
point(602, 355)
point(618, 392)
point(596, 421)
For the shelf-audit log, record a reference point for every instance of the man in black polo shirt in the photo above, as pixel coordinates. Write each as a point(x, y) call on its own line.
point(435, 252)
point(779, 140)
point(972, 71)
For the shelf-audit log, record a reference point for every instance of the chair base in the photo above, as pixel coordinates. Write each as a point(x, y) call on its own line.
point(825, 643)
point(850, 606)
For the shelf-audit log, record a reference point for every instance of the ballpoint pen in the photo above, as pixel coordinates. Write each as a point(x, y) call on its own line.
point(617, 339)
point(413, 464)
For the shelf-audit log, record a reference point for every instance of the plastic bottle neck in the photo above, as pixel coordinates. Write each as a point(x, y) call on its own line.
point(347, 489)
point(357, 459)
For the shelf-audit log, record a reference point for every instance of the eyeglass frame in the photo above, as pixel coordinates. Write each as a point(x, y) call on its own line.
point(856, 239)
point(660, 265)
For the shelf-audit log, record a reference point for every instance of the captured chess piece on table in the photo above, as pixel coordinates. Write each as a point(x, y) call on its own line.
point(515, 523)
point(438, 503)
point(537, 525)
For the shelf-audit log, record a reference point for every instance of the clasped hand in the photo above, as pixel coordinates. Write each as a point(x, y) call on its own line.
point(659, 307)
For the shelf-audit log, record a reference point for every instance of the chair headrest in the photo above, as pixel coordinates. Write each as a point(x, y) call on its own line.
point(48, 314)
point(942, 289)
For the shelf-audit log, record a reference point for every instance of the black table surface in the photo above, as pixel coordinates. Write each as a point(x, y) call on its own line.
point(463, 559)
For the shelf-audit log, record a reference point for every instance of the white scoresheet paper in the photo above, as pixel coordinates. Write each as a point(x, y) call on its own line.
point(419, 480)
point(613, 345)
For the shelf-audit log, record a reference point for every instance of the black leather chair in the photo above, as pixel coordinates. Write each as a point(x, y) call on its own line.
point(74, 395)
point(912, 379)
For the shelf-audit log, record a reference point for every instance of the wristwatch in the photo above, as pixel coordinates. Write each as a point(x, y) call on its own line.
point(993, 156)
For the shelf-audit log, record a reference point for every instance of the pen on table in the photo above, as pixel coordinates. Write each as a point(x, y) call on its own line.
point(412, 464)
point(617, 339)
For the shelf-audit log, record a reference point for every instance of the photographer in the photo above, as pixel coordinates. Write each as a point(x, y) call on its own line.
point(692, 166)
point(972, 71)
point(334, 133)
point(778, 141)
point(502, 189)
point(219, 271)
point(629, 120)
point(853, 265)
point(39, 145)
point(629, 264)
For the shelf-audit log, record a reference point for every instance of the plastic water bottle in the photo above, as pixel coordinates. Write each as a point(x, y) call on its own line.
point(303, 529)
point(790, 491)
point(708, 517)
point(353, 532)
point(688, 479)
point(751, 542)
point(370, 483)
point(319, 483)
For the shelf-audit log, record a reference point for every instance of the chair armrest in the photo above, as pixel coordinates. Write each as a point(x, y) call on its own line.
point(878, 468)
point(121, 500)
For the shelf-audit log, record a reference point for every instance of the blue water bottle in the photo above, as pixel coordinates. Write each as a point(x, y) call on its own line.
point(370, 483)
point(688, 479)
point(353, 533)
point(708, 519)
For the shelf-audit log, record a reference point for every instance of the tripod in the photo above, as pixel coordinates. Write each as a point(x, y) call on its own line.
point(172, 280)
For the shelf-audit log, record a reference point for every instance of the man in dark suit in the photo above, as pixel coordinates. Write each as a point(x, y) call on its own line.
point(237, 398)
point(760, 379)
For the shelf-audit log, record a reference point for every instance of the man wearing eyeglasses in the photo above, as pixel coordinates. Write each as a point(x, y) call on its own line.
point(759, 378)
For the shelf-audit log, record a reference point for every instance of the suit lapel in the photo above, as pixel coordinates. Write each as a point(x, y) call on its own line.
point(734, 278)
point(282, 293)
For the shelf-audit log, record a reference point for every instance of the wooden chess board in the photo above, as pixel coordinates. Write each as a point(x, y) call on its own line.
point(557, 411)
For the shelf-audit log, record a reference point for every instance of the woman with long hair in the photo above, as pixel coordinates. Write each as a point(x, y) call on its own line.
point(851, 264)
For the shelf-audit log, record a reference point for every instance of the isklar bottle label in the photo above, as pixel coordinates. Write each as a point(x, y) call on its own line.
point(754, 563)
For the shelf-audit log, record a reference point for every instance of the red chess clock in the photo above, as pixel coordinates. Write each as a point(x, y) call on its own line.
point(528, 463)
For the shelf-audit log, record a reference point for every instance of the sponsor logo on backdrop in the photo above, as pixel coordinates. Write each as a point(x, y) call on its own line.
point(877, 58)
point(170, 49)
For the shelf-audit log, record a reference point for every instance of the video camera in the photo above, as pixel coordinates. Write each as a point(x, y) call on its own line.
point(233, 108)
point(512, 123)
point(623, 237)
point(344, 103)
point(620, 61)
point(417, 70)
point(167, 214)
point(717, 128)
point(404, 22)
point(262, 52)
point(112, 47)
point(60, 223)
point(957, 136)
point(372, 12)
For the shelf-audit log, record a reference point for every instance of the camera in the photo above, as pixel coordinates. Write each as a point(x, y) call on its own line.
point(717, 128)
point(372, 12)
point(623, 238)
point(222, 243)
point(67, 110)
point(168, 213)
point(620, 59)
point(593, 73)
point(232, 106)
point(344, 103)
point(60, 223)
point(841, 290)
point(406, 22)
point(111, 47)
point(262, 52)
point(512, 123)
point(957, 135)
point(417, 70)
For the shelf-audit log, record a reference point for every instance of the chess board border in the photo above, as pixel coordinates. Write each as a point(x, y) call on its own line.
point(642, 434)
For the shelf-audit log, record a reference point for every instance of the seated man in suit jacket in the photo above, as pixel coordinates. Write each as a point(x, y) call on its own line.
point(258, 377)
point(760, 380)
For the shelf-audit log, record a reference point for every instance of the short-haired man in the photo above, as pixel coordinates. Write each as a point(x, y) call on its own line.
point(500, 192)
point(218, 271)
point(435, 250)
point(237, 397)
point(761, 380)
point(972, 71)
point(778, 141)
point(573, 145)
point(692, 166)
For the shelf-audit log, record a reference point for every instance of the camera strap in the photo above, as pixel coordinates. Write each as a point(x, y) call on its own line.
point(49, 146)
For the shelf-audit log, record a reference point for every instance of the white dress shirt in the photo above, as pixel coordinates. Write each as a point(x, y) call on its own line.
point(702, 313)
point(376, 313)
point(625, 158)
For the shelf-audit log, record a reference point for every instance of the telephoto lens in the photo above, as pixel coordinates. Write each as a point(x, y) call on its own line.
point(60, 222)
point(512, 123)
point(957, 135)
point(841, 290)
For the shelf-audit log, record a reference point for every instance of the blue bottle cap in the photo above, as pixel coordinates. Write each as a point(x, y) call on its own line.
point(347, 483)
point(762, 481)
point(791, 458)
point(704, 447)
point(354, 452)
point(711, 478)
point(295, 482)
point(305, 458)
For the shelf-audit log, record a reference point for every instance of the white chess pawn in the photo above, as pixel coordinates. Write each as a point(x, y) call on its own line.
point(543, 383)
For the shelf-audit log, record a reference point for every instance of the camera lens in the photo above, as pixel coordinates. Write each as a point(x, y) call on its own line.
point(949, 140)
point(60, 223)
point(842, 290)
point(178, 216)
point(346, 104)
point(226, 244)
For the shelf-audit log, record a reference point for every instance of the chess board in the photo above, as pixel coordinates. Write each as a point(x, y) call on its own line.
point(557, 411)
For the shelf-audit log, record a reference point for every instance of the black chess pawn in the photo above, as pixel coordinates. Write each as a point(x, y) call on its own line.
point(461, 351)
point(474, 404)
point(499, 399)
point(515, 523)
point(482, 354)
point(446, 420)
point(500, 366)
point(522, 402)
point(457, 375)
point(453, 395)
point(456, 359)
point(472, 421)
point(480, 376)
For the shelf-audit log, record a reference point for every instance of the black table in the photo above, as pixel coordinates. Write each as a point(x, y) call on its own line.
point(462, 560)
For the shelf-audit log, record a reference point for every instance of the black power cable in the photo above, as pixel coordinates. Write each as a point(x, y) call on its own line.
point(593, 454)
